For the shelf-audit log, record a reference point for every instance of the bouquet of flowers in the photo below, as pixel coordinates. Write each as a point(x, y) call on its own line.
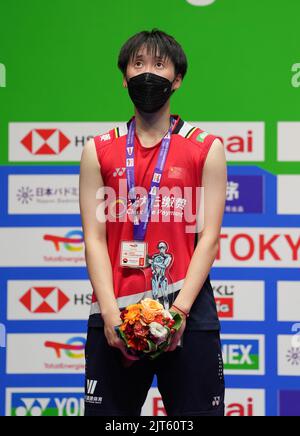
point(148, 328)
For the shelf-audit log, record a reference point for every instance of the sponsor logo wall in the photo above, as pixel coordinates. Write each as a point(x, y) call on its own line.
point(45, 294)
point(256, 300)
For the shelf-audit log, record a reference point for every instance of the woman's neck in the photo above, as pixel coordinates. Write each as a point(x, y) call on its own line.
point(150, 128)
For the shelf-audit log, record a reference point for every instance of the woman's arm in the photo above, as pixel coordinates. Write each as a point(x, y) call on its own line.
point(96, 251)
point(214, 182)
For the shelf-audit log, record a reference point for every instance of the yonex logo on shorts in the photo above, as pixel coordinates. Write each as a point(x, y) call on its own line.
point(216, 401)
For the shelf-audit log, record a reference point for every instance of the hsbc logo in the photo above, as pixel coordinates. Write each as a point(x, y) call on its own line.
point(51, 142)
point(45, 142)
point(39, 300)
point(44, 300)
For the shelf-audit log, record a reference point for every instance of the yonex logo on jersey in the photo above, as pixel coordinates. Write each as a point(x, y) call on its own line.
point(105, 137)
point(201, 137)
point(119, 172)
point(91, 386)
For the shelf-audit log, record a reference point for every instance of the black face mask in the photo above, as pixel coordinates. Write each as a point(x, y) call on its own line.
point(149, 92)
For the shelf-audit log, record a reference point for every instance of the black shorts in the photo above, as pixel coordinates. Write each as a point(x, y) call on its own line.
point(190, 379)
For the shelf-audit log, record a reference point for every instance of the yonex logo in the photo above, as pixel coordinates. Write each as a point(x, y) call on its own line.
point(119, 172)
point(91, 386)
point(105, 137)
point(241, 354)
point(237, 354)
point(48, 406)
point(216, 401)
point(33, 406)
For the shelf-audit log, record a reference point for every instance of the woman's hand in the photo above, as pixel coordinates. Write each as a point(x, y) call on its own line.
point(178, 335)
point(110, 322)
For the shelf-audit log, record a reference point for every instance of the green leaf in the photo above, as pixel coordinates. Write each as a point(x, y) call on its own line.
point(152, 347)
point(122, 336)
point(178, 320)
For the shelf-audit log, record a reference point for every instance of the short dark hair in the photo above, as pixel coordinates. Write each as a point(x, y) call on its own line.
point(158, 43)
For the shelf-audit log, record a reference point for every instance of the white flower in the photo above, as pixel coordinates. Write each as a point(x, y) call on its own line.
point(167, 315)
point(159, 332)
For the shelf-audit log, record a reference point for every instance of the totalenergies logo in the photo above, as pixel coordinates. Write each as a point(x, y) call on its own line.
point(73, 241)
point(73, 348)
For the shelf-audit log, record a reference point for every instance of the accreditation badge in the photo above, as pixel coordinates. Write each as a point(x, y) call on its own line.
point(134, 254)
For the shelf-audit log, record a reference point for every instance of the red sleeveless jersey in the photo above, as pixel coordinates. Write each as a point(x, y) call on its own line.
point(170, 244)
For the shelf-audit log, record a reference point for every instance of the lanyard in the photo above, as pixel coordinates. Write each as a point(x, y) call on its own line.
point(140, 227)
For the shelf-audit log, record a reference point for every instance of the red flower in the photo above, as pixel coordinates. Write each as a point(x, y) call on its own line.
point(140, 330)
point(160, 319)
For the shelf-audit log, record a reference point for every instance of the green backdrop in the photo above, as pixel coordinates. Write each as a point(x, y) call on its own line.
point(60, 58)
